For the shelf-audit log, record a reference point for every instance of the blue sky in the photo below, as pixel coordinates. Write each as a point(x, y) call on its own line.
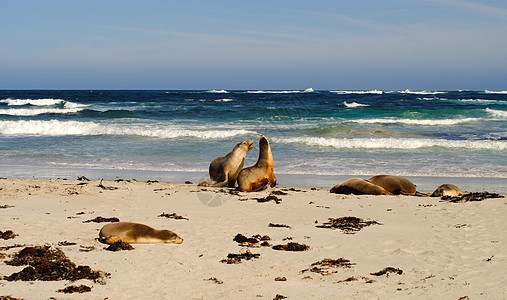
point(353, 44)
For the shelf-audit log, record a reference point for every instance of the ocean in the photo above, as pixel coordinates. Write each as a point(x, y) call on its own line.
point(317, 137)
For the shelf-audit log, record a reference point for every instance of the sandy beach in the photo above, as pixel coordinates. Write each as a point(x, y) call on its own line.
point(427, 248)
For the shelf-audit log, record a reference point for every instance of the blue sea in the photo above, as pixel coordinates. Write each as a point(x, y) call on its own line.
point(317, 137)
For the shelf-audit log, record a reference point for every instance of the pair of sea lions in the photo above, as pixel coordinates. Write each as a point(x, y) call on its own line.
point(136, 233)
point(228, 169)
point(377, 185)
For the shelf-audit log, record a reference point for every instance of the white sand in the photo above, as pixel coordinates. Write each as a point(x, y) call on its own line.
point(446, 250)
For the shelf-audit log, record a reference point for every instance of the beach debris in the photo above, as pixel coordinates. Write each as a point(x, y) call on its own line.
point(279, 193)
point(324, 266)
point(152, 181)
point(65, 243)
point(188, 182)
point(471, 197)
point(269, 198)
point(278, 225)
point(48, 264)
point(292, 246)
point(173, 216)
point(252, 241)
point(349, 225)
point(279, 297)
point(293, 190)
point(215, 280)
point(75, 289)
point(102, 220)
point(233, 258)
point(387, 271)
point(9, 234)
point(86, 248)
point(10, 247)
point(280, 279)
point(111, 188)
point(83, 178)
point(6, 205)
point(119, 246)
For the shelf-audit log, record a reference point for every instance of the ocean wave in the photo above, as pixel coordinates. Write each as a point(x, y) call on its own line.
point(224, 100)
point(309, 90)
point(425, 122)
point(39, 111)
point(218, 91)
point(497, 113)
point(483, 101)
point(393, 143)
point(61, 128)
point(358, 92)
point(354, 104)
point(495, 92)
point(42, 102)
point(407, 91)
point(273, 92)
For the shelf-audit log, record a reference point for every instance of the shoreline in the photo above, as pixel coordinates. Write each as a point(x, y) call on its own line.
point(426, 184)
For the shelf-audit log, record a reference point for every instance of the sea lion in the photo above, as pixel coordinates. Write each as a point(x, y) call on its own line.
point(256, 177)
point(358, 186)
point(224, 170)
point(447, 189)
point(394, 184)
point(136, 233)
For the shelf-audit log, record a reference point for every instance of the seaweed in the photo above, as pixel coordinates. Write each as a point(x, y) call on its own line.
point(102, 219)
point(111, 188)
point(280, 279)
point(9, 234)
point(387, 271)
point(279, 193)
point(215, 280)
point(65, 243)
point(119, 246)
point(292, 247)
point(323, 267)
point(233, 258)
point(75, 289)
point(48, 264)
point(6, 205)
point(469, 197)
point(278, 225)
point(252, 241)
point(269, 198)
point(173, 216)
point(348, 225)
point(279, 297)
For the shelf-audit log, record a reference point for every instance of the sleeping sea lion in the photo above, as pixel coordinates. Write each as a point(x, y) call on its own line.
point(136, 233)
point(394, 184)
point(447, 189)
point(224, 170)
point(358, 186)
point(256, 177)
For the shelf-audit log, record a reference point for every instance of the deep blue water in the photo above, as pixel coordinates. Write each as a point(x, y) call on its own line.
point(407, 133)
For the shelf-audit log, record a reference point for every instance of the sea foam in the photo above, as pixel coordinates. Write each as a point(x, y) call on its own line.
point(358, 92)
point(425, 122)
point(354, 104)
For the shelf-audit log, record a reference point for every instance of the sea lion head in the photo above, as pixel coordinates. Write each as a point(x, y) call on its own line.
point(170, 237)
point(248, 145)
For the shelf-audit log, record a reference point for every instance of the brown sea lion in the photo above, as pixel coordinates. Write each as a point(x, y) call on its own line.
point(447, 189)
point(224, 170)
point(136, 233)
point(358, 186)
point(256, 177)
point(394, 184)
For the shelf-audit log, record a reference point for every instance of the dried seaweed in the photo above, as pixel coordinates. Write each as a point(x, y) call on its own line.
point(469, 197)
point(279, 193)
point(215, 280)
point(65, 243)
point(102, 219)
point(348, 225)
point(292, 247)
point(119, 246)
point(111, 188)
point(9, 297)
point(75, 289)
point(252, 241)
point(279, 297)
point(173, 216)
point(280, 279)
point(387, 271)
point(9, 234)
point(47, 264)
point(6, 206)
point(233, 258)
point(324, 266)
point(278, 225)
point(269, 198)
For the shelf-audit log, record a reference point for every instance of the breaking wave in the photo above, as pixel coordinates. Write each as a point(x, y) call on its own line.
point(354, 104)
point(358, 92)
point(427, 122)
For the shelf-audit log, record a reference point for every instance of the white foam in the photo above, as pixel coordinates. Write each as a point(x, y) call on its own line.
point(224, 100)
point(47, 128)
point(354, 104)
point(407, 91)
point(425, 122)
point(497, 113)
point(309, 90)
point(272, 92)
point(495, 92)
point(39, 111)
point(392, 143)
point(218, 91)
point(35, 102)
point(358, 92)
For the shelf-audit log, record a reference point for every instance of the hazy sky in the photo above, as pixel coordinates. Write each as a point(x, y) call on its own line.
point(348, 44)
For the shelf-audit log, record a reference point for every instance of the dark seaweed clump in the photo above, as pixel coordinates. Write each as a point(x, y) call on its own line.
point(233, 258)
point(471, 197)
point(119, 246)
point(9, 234)
point(102, 219)
point(278, 225)
point(279, 297)
point(292, 247)
point(324, 266)
point(387, 271)
point(269, 198)
point(348, 225)
point(245, 241)
point(47, 264)
point(173, 216)
point(75, 289)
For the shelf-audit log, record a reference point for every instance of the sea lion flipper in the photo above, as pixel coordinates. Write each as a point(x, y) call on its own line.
point(111, 239)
